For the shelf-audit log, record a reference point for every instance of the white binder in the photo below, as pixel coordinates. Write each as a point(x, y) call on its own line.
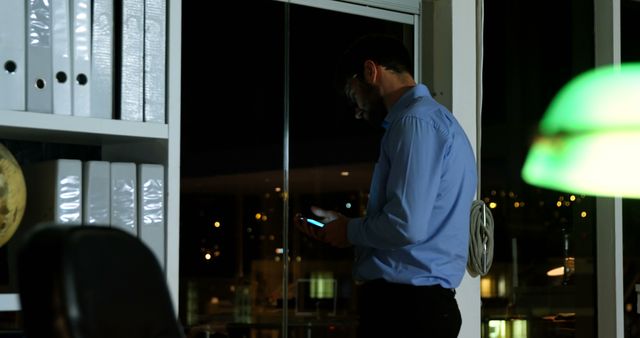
point(155, 13)
point(60, 54)
point(124, 206)
point(131, 63)
point(54, 197)
point(151, 205)
point(102, 59)
point(96, 186)
point(54, 190)
point(12, 55)
point(81, 51)
point(39, 64)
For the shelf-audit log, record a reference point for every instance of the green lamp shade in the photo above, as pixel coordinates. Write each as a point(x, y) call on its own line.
point(589, 138)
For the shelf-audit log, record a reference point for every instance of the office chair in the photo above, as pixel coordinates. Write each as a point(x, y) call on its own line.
point(92, 282)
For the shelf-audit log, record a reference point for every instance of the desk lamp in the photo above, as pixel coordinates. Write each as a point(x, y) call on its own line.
point(589, 138)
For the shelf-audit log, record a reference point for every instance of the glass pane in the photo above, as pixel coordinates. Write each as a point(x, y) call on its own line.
point(232, 165)
point(332, 158)
point(630, 30)
point(542, 280)
point(631, 267)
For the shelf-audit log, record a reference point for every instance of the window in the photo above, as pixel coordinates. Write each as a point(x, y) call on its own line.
point(542, 281)
point(236, 141)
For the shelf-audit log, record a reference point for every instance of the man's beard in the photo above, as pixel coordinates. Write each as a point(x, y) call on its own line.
point(376, 111)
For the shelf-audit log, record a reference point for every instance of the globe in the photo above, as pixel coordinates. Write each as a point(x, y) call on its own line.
point(13, 195)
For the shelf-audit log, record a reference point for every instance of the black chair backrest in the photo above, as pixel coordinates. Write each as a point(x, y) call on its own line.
point(92, 282)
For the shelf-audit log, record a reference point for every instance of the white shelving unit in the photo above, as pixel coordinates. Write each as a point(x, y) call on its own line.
point(121, 141)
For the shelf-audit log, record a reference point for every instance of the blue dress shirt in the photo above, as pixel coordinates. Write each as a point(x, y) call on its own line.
point(416, 229)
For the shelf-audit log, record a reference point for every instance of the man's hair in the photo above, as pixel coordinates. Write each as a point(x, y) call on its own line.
point(385, 50)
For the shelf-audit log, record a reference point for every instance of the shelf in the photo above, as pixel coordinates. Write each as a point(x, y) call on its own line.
point(44, 127)
point(117, 140)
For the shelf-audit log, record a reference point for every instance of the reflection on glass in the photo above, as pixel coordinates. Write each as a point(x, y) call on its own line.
point(519, 328)
point(322, 284)
point(497, 329)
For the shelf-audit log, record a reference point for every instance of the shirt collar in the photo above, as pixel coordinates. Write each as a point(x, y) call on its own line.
point(406, 100)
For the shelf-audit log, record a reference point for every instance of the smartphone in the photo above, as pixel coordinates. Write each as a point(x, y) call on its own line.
point(314, 222)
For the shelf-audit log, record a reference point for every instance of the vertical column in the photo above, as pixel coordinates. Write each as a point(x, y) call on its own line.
point(464, 106)
point(172, 178)
point(449, 60)
point(610, 307)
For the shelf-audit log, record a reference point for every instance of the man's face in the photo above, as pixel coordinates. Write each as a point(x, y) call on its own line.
point(367, 102)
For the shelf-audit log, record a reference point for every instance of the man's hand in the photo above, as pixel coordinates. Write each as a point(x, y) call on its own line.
point(334, 231)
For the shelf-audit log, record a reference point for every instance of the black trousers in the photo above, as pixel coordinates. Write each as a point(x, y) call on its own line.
point(407, 311)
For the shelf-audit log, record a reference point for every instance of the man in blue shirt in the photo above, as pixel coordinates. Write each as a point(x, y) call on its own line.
point(412, 245)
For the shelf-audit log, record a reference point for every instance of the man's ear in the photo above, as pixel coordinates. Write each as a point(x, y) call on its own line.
point(370, 71)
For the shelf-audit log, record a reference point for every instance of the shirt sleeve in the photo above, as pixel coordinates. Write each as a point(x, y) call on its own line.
point(416, 149)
